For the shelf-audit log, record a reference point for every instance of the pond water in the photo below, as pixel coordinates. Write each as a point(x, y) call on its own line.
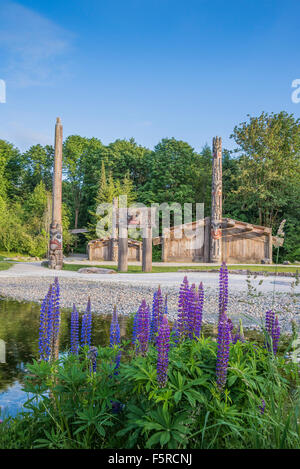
point(19, 329)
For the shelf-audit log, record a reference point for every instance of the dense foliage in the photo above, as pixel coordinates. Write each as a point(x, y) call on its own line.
point(168, 387)
point(261, 181)
point(130, 410)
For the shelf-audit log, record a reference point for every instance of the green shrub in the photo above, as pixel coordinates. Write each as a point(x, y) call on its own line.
point(73, 407)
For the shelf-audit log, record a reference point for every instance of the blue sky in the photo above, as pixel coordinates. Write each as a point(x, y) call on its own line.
point(146, 69)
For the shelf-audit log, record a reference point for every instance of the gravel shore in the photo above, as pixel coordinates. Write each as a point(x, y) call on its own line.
point(128, 296)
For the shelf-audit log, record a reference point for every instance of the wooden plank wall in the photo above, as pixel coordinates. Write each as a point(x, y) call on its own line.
point(245, 248)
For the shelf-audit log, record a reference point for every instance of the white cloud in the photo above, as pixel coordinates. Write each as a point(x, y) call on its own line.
point(35, 49)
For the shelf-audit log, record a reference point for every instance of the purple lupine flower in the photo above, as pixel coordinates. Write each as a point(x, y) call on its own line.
point(223, 351)
point(143, 328)
point(157, 313)
point(273, 331)
point(114, 330)
point(195, 308)
point(134, 329)
point(165, 307)
point(74, 330)
point(50, 321)
point(262, 407)
point(92, 355)
point(183, 309)
point(44, 339)
point(191, 307)
point(270, 317)
point(56, 310)
point(223, 289)
point(54, 319)
point(199, 310)
point(276, 335)
point(86, 327)
point(114, 339)
point(163, 345)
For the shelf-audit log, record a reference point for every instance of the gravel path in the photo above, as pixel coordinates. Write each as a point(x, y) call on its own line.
point(107, 290)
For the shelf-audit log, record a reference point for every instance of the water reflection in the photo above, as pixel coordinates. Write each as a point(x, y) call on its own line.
point(19, 326)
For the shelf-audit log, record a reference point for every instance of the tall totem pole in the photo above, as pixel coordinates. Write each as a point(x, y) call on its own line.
point(216, 203)
point(55, 245)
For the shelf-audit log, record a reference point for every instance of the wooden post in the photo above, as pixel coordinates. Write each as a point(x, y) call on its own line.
point(216, 203)
point(123, 240)
point(114, 233)
point(147, 241)
point(55, 244)
point(165, 245)
point(270, 246)
point(206, 238)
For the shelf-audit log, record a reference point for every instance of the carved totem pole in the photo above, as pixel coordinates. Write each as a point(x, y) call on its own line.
point(55, 245)
point(216, 203)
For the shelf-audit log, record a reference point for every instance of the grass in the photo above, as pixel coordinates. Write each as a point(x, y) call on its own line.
point(5, 265)
point(137, 269)
point(6, 254)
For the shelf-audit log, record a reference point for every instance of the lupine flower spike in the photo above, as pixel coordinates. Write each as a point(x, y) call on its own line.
point(273, 331)
point(165, 306)
point(114, 339)
point(74, 330)
point(49, 324)
point(163, 346)
point(114, 329)
point(183, 310)
point(157, 313)
point(143, 328)
point(199, 311)
point(86, 327)
point(223, 290)
point(276, 335)
point(191, 309)
point(56, 319)
point(44, 339)
point(134, 329)
point(195, 311)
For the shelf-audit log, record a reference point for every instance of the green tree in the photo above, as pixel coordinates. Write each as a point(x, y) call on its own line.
point(107, 190)
point(82, 163)
point(10, 170)
point(37, 166)
point(269, 163)
point(171, 175)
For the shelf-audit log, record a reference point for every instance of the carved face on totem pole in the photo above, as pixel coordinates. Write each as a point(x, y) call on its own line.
point(216, 231)
point(56, 247)
point(55, 238)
